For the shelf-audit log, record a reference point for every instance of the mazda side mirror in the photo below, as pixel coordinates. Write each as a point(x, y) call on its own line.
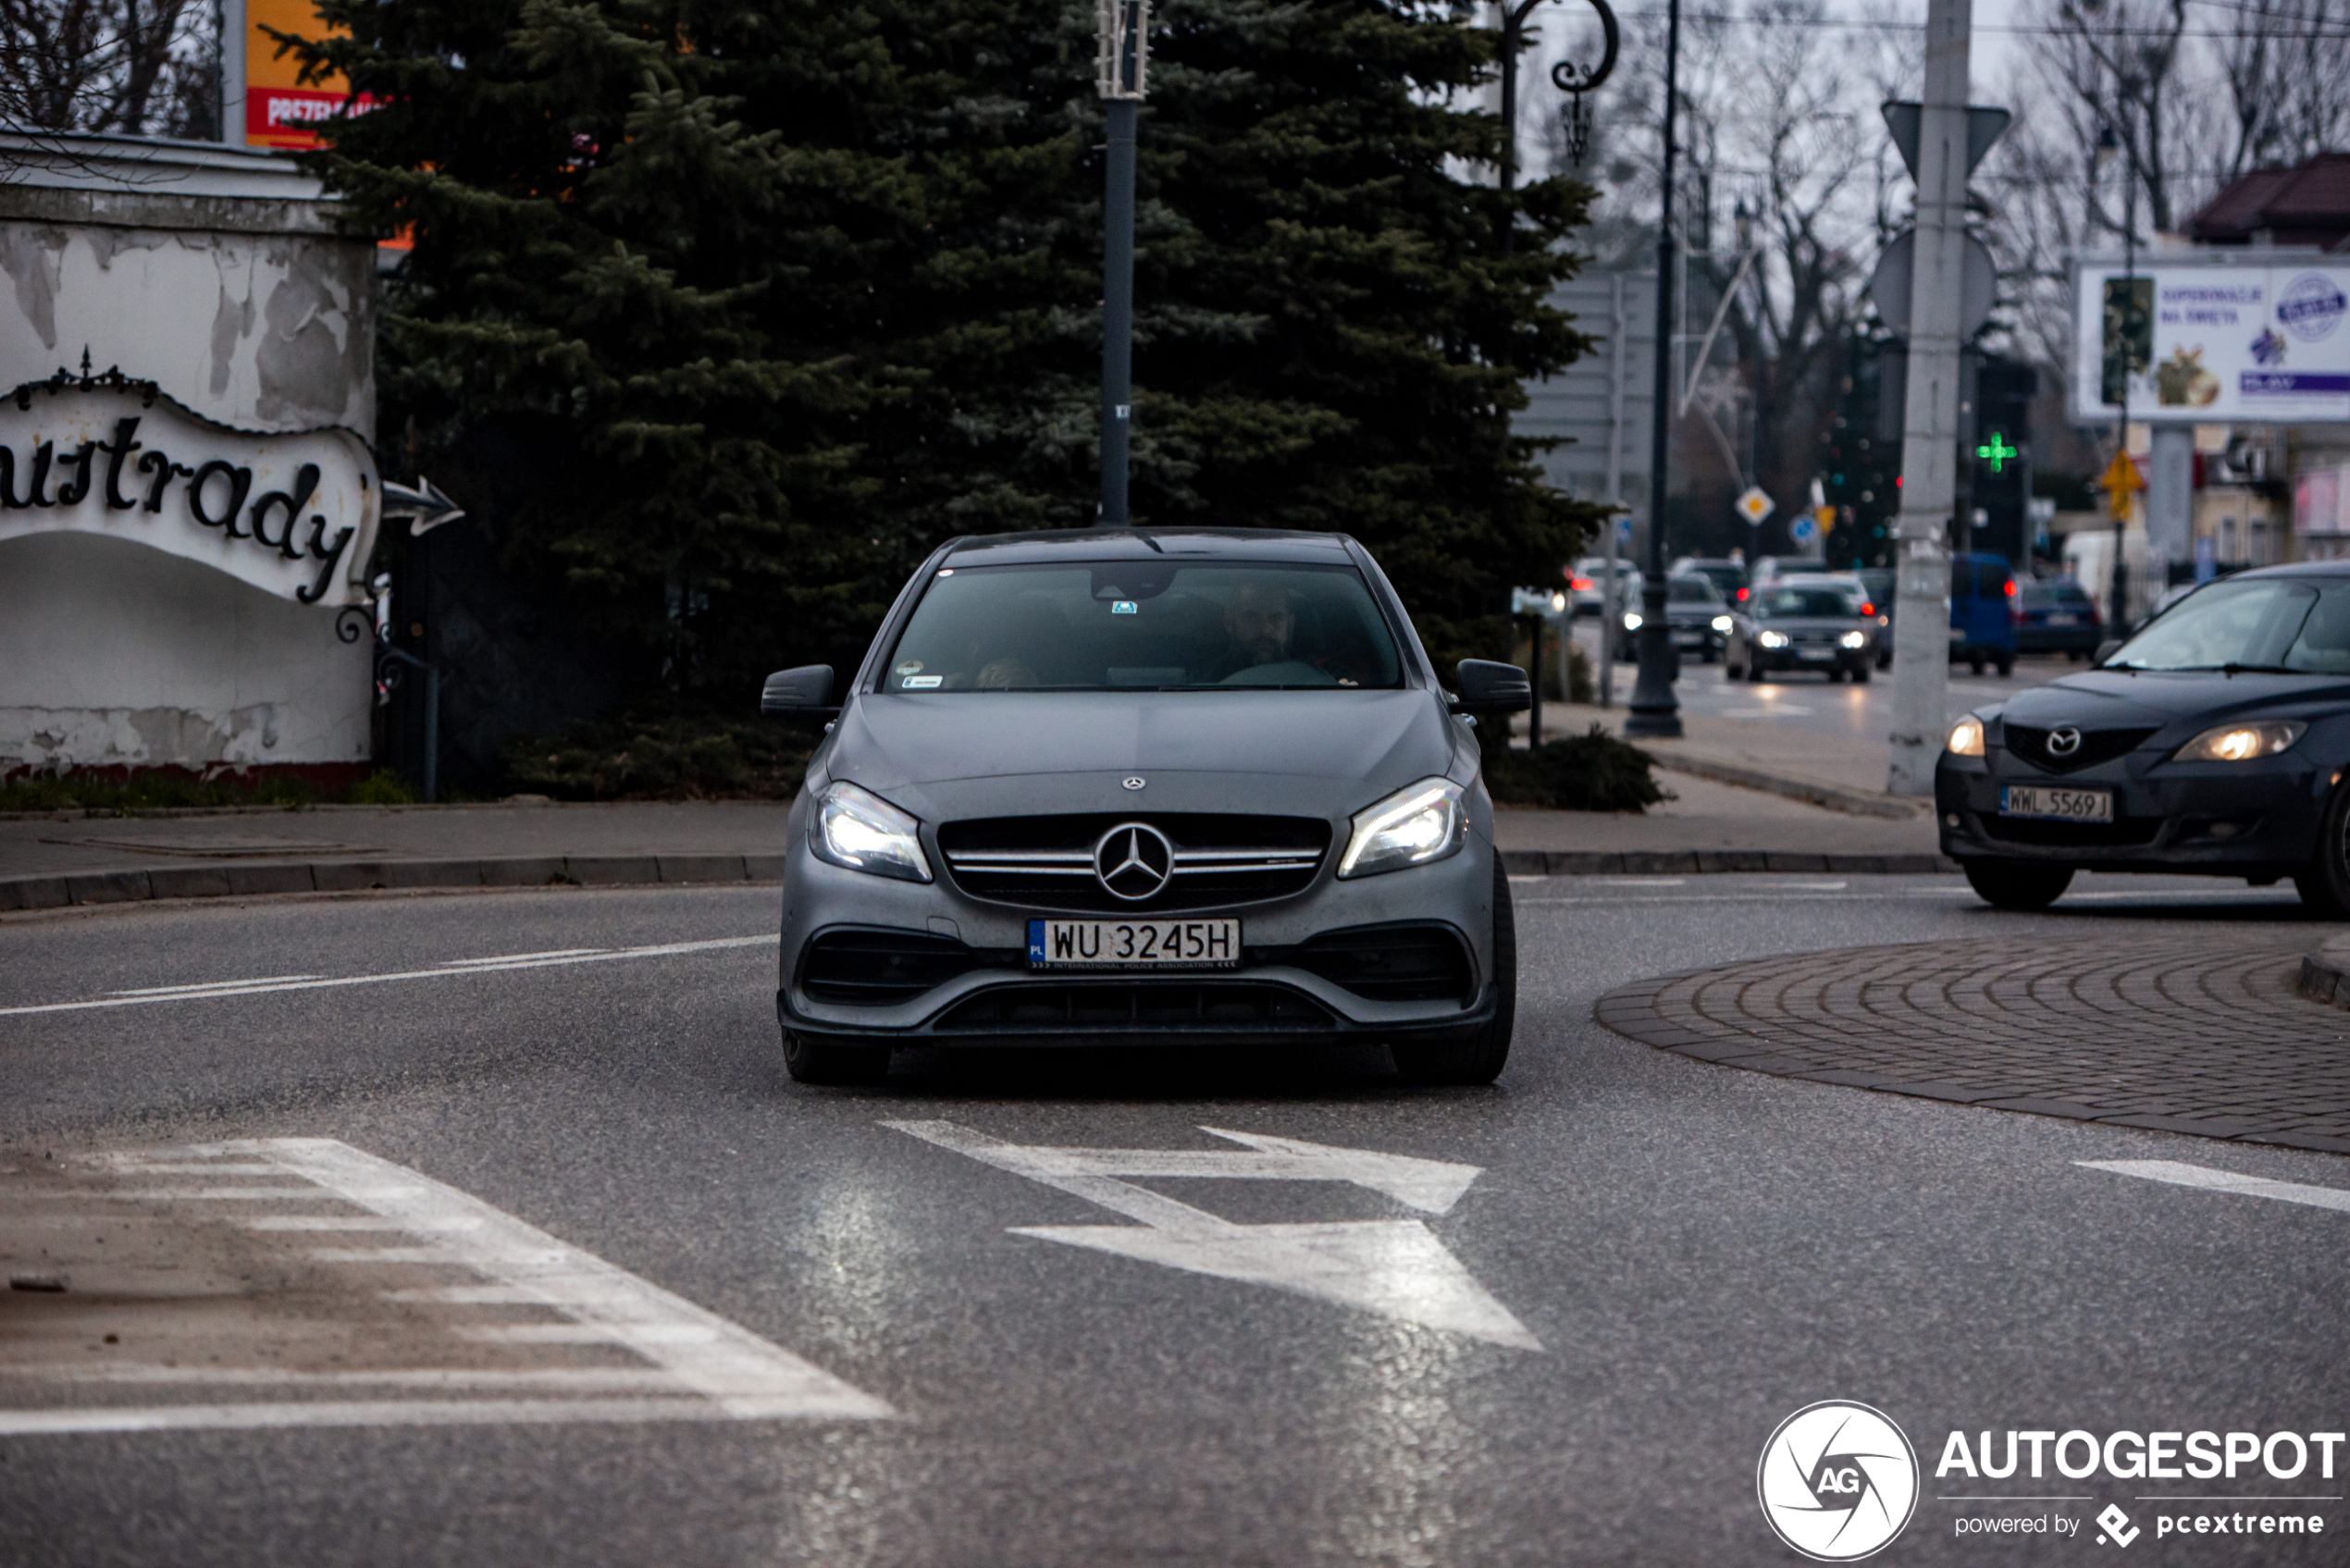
point(1489, 687)
point(804, 693)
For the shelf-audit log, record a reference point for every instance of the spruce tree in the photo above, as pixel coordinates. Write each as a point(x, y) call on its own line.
point(764, 298)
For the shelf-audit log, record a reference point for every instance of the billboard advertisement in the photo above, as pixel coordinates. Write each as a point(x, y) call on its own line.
point(281, 110)
point(2204, 344)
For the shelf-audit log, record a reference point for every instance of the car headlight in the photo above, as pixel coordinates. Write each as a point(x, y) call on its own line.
point(1631, 619)
point(1854, 639)
point(1966, 737)
point(2240, 742)
point(858, 829)
point(1721, 623)
point(1773, 640)
point(1411, 827)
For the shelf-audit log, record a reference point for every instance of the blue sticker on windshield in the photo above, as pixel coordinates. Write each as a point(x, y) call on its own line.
point(1124, 607)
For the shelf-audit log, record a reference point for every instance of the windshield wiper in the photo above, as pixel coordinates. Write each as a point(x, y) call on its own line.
point(2231, 668)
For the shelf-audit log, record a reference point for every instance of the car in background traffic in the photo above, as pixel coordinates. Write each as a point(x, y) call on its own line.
point(1586, 582)
point(1697, 614)
point(1983, 612)
point(1813, 623)
point(1727, 576)
point(2216, 741)
point(1880, 583)
point(2057, 617)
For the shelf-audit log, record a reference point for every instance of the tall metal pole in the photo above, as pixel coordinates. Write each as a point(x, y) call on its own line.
point(1124, 29)
point(1619, 325)
point(2119, 580)
point(1930, 438)
point(1654, 709)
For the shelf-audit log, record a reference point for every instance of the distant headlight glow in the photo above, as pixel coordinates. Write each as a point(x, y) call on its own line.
point(1721, 623)
point(2240, 742)
point(1854, 639)
point(1773, 640)
point(1631, 619)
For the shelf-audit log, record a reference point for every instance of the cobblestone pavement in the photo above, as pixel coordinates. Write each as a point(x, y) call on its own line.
point(2198, 1033)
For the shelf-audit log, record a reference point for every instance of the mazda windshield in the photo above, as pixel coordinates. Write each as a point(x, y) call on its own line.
point(2297, 627)
point(1154, 625)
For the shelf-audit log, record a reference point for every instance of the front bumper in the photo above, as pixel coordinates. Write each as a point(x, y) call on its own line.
point(1823, 659)
point(2222, 819)
point(998, 1001)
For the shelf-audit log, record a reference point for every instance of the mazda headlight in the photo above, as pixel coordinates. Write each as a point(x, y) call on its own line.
point(1854, 639)
point(1411, 827)
point(1966, 737)
point(1721, 623)
point(1773, 640)
point(2240, 742)
point(858, 829)
point(1631, 619)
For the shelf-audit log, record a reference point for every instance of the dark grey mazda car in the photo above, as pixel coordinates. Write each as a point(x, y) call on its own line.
point(1121, 786)
point(2213, 741)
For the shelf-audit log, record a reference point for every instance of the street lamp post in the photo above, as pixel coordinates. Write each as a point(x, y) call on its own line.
point(2109, 143)
point(1124, 53)
point(1654, 709)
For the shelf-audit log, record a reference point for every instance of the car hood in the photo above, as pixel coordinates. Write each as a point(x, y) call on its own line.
point(1314, 753)
point(2109, 699)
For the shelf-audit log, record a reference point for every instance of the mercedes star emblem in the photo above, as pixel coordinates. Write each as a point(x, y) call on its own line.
point(1133, 861)
point(2063, 741)
point(1133, 784)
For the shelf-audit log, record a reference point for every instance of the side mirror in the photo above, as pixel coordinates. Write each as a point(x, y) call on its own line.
point(1491, 687)
point(2105, 650)
point(804, 693)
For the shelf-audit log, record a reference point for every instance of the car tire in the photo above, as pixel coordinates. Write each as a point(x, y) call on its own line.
point(1479, 1058)
point(1834, 673)
point(824, 1058)
point(2325, 886)
point(1754, 672)
point(1974, 665)
point(1860, 674)
point(2007, 666)
point(2007, 885)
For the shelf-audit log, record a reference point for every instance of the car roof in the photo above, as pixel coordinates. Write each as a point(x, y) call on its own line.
point(1147, 544)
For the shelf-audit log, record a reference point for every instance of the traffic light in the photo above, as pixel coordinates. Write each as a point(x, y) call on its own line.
point(2002, 454)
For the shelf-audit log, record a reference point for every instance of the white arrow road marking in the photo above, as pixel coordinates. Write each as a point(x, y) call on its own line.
point(2182, 1175)
point(711, 1368)
point(1396, 1267)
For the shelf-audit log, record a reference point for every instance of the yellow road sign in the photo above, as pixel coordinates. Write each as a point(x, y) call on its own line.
point(2122, 478)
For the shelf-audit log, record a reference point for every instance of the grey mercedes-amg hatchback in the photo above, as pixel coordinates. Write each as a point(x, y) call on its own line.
point(1141, 787)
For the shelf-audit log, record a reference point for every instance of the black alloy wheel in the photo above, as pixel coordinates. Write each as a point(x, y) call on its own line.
point(1478, 1059)
point(2008, 885)
point(827, 1058)
point(2325, 886)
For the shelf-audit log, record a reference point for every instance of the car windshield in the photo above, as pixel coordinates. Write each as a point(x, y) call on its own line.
point(1878, 583)
point(1143, 626)
point(1691, 590)
point(1789, 603)
point(2300, 626)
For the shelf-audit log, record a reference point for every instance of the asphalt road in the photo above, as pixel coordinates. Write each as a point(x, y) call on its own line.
point(1654, 1262)
point(1813, 703)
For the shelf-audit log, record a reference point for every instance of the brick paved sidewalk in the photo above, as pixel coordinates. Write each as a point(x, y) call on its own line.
point(2201, 1033)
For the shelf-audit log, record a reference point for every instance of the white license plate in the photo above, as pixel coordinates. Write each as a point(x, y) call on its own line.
point(1133, 945)
point(2063, 621)
point(2062, 804)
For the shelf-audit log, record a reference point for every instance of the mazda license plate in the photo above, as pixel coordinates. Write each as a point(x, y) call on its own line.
point(2058, 805)
point(1133, 945)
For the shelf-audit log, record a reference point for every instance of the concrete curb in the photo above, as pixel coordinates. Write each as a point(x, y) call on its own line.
point(2325, 973)
point(1834, 797)
point(357, 876)
point(1702, 862)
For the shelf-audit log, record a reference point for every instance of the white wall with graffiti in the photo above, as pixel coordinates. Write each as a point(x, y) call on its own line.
point(186, 498)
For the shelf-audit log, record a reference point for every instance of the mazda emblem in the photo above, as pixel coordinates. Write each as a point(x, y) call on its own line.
point(2063, 741)
point(1133, 861)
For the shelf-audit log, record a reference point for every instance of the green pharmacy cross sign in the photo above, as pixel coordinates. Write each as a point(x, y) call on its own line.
point(1996, 451)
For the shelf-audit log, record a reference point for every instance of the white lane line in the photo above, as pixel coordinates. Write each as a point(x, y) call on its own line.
point(351, 1222)
point(196, 986)
point(720, 1370)
point(2180, 1174)
point(521, 957)
point(247, 1194)
point(451, 969)
point(545, 1378)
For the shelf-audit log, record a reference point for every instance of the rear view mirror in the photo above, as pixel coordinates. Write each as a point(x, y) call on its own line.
point(804, 693)
point(1491, 687)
